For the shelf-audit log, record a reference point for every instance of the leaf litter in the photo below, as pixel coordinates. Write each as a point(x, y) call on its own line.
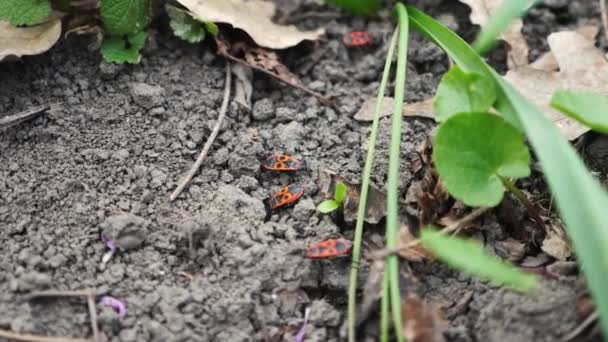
point(23, 41)
point(253, 17)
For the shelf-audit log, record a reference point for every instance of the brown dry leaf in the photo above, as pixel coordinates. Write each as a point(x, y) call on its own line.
point(422, 109)
point(513, 250)
point(482, 10)
point(372, 291)
point(421, 322)
point(556, 244)
point(416, 253)
point(265, 61)
point(21, 41)
point(581, 67)
point(254, 17)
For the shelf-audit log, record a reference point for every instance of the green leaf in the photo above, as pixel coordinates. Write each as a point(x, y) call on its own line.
point(340, 193)
point(184, 26)
point(461, 92)
point(585, 107)
point(473, 151)
point(508, 11)
point(24, 12)
point(580, 198)
point(358, 7)
point(469, 256)
point(328, 206)
point(212, 28)
point(122, 17)
point(119, 50)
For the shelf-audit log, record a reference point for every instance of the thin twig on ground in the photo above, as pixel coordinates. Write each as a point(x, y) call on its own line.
point(453, 228)
point(25, 115)
point(581, 327)
point(93, 314)
point(201, 157)
point(37, 338)
point(59, 293)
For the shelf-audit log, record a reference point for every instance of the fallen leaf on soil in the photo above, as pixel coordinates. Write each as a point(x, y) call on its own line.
point(421, 322)
point(422, 109)
point(512, 249)
point(21, 41)
point(556, 245)
point(372, 291)
point(482, 10)
point(548, 62)
point(581, 67)
point(254, 17)
point(242, 85)
point(376, 199)
point(265, 61)
point(416, 253)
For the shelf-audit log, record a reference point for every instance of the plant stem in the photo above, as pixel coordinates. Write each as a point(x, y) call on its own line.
point(532, 209)
point(392, 200)
point(367, 171)
point(384, 312)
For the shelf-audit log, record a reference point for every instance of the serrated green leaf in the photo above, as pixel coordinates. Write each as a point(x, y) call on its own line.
point(340, 193)
point(122, 17)
point(359, 7)
point(585, 107)
point(119, 50)
point(461, 92)
point(24, 12)
point(184, 26)
point(473, 151)
point(328, 206)
point(469, 256)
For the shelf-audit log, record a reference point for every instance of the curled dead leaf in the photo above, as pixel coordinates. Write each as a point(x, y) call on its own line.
point(423, 109)
point(254, 17)
point(242, 85)
point(482, 10)
point(22, 41)
point(421, 322)
point(556, 245)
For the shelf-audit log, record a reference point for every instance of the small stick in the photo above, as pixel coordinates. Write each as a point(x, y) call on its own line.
point(581, 327)
point(93, 314)
point(201, 157)
point(59, 293)
point(25, 115)
point(453, 228)
point(37, 338)
point(604, 17)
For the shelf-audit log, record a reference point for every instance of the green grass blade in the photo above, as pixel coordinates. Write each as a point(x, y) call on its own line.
point(359, 7)
point(392, 192)
point(580, 198)
point(367, 172)
point(469, 256)
point(508, 11)
point(585, 107)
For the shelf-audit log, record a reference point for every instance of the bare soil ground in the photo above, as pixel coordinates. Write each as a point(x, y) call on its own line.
point(107, 158)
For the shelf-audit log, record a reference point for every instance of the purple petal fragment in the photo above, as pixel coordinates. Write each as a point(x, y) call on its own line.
point(300, 335)
point(115, 304)
point(112, 249)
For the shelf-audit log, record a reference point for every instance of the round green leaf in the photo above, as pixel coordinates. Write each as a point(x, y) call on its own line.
point(473, 151)
point(340, 193)
point(461, 92)
point(328, 206)
point(122, 17)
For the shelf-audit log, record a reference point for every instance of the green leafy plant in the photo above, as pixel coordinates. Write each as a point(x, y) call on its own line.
point(24, 12)
point(475, 153)
point(470, 256)
point(186, 27)
point(585, 107)
point(330, 205)
point(124, 22)
point(461, 92)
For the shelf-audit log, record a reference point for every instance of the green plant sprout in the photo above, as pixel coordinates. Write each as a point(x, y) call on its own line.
point(330, 205)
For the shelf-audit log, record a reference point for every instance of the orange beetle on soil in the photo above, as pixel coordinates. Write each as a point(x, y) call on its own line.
point(281, 162)
point(357, 38)
point(329, 248)
point(286, 196)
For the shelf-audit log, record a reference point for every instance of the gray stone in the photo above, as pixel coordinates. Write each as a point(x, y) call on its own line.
point(263, 109)
point(128, 231)
point(146, 95)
